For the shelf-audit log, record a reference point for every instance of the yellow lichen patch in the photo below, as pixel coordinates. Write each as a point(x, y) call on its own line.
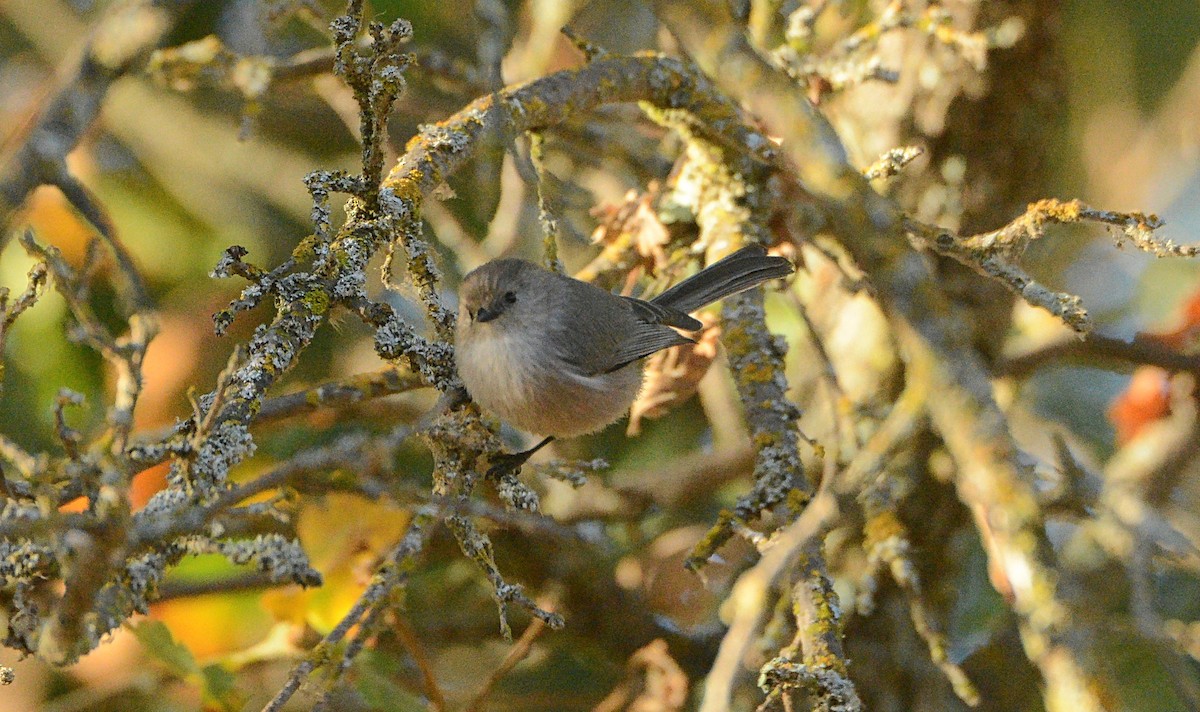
point(305, 250)
point(798, 499)
point(317, 301)
point(755, 372)
point(764, 439)
point(1057, 210)
point(736, 339)
point(711, 540)
point(883, 526)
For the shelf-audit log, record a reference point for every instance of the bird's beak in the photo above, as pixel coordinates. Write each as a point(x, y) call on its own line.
point(486, 314)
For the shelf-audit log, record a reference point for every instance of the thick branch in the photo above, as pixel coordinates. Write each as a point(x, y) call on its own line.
point(932, 329)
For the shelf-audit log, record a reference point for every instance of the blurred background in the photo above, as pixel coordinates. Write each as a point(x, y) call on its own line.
point(188, 165)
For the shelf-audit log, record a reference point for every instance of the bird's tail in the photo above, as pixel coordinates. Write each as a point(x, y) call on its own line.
point(746, 268)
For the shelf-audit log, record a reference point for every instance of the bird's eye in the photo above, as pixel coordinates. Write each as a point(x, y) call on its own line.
point(510, 298)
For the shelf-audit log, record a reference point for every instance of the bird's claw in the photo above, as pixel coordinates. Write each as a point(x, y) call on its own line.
point(508, 463)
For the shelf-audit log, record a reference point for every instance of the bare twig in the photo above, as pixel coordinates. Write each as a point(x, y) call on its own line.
point(1097, 348)
point(392, 574)
point(412, 643)
point(518, 652)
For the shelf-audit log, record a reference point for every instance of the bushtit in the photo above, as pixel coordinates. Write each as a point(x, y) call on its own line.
point(559, 357)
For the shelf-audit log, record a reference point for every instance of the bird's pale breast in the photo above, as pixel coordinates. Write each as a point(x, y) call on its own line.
point(538, 392)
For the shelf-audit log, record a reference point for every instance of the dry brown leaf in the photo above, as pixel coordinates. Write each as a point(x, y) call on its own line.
point(636, 221)
point(658, 682)
point(673, 375)
point(611, 218)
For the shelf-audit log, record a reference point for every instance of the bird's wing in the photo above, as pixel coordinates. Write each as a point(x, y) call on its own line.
point(607, 332)
point(644, 340)
point(653, 313)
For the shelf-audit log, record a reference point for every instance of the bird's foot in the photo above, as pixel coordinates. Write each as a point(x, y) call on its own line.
point(509, 463)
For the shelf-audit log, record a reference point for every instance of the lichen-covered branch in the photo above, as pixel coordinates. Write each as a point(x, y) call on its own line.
point(870, 447)
point(728, 195)
point(964, 413)
point(392, 574)
point(543, 103)
point(994, 254)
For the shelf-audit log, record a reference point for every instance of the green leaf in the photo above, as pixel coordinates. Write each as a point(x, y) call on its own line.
point(157, 641)
point(220, 691)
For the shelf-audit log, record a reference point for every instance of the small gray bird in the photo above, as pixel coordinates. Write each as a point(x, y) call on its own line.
point(559, 357)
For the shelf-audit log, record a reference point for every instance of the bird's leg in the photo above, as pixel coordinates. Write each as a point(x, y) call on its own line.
point(511, 462)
